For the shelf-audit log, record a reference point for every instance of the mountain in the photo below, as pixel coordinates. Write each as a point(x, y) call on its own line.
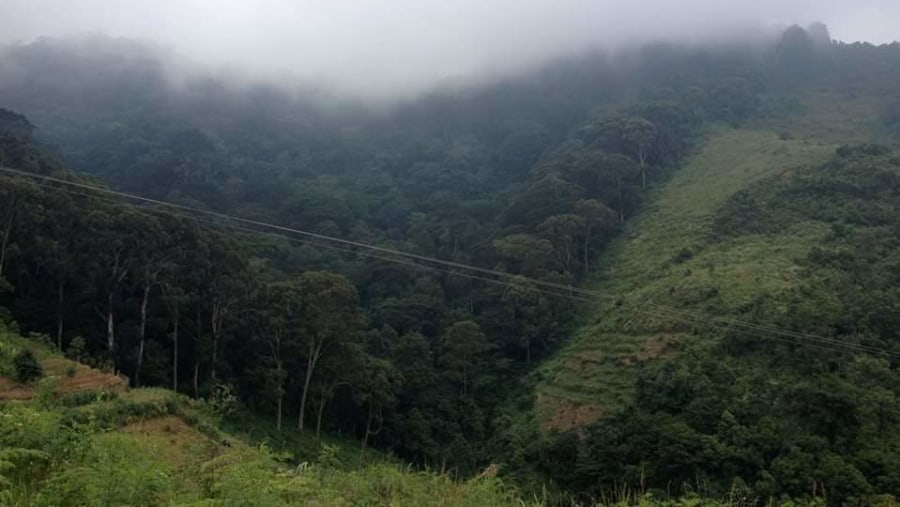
point(637, 272)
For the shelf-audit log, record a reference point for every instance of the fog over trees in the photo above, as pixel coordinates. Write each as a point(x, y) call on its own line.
point(343, 234)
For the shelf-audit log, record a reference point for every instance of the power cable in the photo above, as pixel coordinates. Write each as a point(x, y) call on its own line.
point(567, 291)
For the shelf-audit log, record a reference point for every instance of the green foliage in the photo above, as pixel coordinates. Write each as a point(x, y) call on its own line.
point(222, 400)
point(26, 367)
point(76, 348)
point(45, 391)
point(80, 398)
point(536, 178)
point(114, 471)
point(779, 418)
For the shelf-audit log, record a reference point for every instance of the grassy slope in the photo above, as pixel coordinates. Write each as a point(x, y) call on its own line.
point(668, 258)
point(151, 446)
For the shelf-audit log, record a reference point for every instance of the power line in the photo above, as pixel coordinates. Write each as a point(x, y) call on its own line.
point(409, 259)
point(667, 313)
point(312, 243)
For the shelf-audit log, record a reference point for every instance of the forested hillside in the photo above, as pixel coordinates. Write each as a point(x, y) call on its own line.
point(595, 198)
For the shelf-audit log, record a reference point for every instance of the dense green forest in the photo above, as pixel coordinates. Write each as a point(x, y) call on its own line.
point(537, 180)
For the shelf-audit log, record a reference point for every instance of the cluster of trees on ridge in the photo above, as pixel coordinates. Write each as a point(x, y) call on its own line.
point(532, 178)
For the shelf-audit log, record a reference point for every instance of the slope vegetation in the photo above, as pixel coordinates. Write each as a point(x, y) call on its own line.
point(95, 443)
point(748, 343)
point(668, 260)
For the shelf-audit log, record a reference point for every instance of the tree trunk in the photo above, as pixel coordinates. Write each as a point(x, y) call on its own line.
point(465, 381)
point(110, 331)
point(175, 351)
point(196, 379)
point(6, 234)
point(60, 308)
point(196, 355)
point(142, 335)
point(642, 159)
point(215, 321)
point(528, 350)
point(319, 413)
point(587, 242)
point(314, 352)
point(369, 424)
point(368, 427)
point(281, 381)
point(278, 420)
point(621, 204)
point(215, 354)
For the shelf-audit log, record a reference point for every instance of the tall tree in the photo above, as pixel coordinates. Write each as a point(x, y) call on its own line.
point(227, 285)
point(282, 314)
point(154, 254)
point(330, 316)
point(639, 134)
point(113, 261)
point(378, 385)
point(531, 314)
point(60, 248)
point(596, 218)
point(180, 279)
point(465, 353)
point(19, 198)
point(561, 231)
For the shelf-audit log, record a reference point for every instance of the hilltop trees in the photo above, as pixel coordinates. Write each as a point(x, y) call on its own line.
point(531, 179)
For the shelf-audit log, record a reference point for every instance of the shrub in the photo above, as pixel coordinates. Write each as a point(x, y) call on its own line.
point(76, 348)
point(222, 400)
point(81, 398)
point(45, 394)
point(26, 366)
point(683, 256)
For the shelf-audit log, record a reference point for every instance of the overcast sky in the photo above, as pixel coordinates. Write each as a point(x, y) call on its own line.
point(405, 45)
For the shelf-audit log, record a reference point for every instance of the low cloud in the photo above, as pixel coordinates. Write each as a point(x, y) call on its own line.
point(385, 48)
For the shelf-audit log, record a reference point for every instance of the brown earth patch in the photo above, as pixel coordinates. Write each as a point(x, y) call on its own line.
point(788, 174)
point(179, 443)
point(568, 415)
point(656, 348)
point(10, 390)
point(84, 379)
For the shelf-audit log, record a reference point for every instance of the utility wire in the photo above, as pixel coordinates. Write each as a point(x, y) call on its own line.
point(672, 315)
point(560, 290)
point(303, 241)
point(310, 242)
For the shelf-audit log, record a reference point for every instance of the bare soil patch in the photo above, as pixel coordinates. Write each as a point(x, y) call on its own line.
point(84, 378)
point(568, 415)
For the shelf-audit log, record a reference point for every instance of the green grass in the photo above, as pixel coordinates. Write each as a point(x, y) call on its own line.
point(668, 258)
point(829, 117)
point(256, 430)
point(150, 446)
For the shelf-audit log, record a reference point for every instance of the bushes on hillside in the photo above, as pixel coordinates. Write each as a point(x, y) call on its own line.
point(26, 367)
